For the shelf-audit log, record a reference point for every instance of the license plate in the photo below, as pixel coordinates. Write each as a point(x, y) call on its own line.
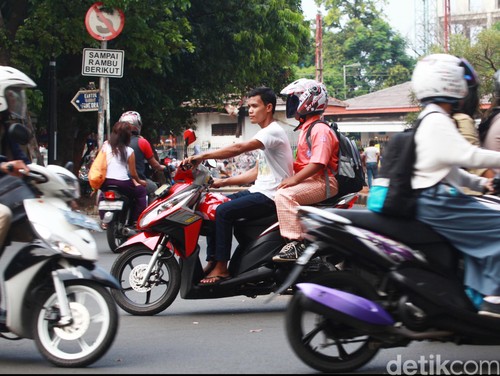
point(110, 205)
point(81, 220)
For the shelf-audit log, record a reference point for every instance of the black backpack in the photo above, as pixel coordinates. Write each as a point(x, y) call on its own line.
point(350, 175)
point(391, 193)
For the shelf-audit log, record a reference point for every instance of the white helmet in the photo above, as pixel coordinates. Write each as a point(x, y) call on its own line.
point(134, 118)
point(305, 96)
point(12, 85)
point(439, 78)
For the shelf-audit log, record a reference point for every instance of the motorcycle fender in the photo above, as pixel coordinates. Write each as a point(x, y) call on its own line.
point(97, 274)
point(142, 238)
point(353, 307)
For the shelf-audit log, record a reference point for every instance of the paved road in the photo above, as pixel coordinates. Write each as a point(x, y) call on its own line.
point(219, 336)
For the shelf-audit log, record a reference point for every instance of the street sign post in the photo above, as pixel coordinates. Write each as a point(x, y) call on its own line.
point(103, 63)
point(103, 23)
point(86, 100)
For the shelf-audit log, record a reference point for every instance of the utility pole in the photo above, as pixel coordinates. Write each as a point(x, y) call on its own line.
point(319, 48)
point(446, 25)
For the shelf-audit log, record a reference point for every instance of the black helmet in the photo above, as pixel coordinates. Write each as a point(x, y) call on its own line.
point(471, 101)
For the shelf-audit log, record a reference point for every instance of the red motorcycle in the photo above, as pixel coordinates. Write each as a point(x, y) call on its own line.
point(164, 258)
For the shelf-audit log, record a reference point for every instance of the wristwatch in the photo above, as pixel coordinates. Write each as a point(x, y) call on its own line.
point(9, 167)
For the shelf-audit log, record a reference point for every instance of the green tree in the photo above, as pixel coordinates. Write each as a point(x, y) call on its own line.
point(357, 33)
point(175, 51)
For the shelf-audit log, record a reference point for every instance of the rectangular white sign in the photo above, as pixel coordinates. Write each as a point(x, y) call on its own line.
point(102, 62)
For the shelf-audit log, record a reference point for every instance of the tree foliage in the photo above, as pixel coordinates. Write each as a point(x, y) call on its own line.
point(175, 51)
point(361, 52)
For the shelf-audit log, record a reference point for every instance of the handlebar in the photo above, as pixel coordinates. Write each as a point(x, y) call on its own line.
point(496, 185)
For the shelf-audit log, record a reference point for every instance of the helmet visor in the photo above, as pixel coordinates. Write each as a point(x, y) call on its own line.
point(16, 102)
point(292, 102)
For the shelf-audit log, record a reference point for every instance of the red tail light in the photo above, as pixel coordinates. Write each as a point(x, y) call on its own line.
point(110, 195)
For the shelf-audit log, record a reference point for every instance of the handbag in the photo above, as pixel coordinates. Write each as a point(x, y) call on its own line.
point(97, 172)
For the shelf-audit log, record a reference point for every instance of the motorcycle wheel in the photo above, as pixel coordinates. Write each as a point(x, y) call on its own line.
point(322, 343)
point(88, 337)
point(161, 289)
point(114, 235)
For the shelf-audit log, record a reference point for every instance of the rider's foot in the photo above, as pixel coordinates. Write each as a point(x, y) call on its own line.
point(209, 267)
point(490, 306)
point(290, 252)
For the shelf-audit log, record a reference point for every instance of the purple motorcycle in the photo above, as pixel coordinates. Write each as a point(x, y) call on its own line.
point(396, 281)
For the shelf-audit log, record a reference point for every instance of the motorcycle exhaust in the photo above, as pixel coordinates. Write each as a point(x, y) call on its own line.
point(346, 306)
point(360, 313)
point(108, 217)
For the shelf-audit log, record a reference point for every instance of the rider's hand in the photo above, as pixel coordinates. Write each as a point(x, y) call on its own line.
point(489, 187)
point(217, 183)
point(16, 168)
point(193, 160)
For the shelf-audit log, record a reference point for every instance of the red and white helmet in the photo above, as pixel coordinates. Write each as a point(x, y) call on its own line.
point(305, 97)
point(134, 118)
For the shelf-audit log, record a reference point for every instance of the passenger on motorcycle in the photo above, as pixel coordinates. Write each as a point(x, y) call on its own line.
point(273, 164)
point(313, 180)
point(142, 149)
point(13, 108)
point(121, 165)
point(439, 83)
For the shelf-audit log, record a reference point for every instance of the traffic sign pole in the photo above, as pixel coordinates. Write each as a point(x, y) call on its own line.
point(102, 105)
point(103, 26)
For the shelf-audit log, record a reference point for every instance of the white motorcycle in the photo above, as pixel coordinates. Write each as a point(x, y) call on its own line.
point(52, 289)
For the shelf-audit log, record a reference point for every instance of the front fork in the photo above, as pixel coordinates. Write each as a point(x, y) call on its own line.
point(152, 265)
point(62, 298)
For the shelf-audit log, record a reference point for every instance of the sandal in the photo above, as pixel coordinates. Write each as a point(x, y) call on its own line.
point(213, 280)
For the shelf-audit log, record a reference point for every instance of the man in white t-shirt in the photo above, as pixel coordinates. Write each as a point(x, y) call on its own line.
point(372, 157)
point(274, 162)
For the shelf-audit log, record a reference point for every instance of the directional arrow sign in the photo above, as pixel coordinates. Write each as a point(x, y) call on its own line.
point(86, 100)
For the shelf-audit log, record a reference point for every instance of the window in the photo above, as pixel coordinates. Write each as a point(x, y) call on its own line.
point(225, 129)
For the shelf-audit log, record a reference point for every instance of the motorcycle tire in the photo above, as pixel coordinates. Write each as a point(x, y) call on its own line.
point(114, 235)
point(322, 343)
point(91, 333)
point(162, 287)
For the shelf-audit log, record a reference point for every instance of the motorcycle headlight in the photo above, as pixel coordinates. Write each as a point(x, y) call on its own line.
point(54, 242)
point(153, 213)
point(73, 190)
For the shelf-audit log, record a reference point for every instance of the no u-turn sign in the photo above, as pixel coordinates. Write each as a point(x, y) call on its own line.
point(102, 23)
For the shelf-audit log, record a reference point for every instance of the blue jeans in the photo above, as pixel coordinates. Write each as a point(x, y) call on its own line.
point(371, 172)
point(472, 227)
point(243, 204)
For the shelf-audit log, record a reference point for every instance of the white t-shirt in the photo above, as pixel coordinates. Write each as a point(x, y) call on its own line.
point(275, 162)
point(371, 153)
point(117, 169)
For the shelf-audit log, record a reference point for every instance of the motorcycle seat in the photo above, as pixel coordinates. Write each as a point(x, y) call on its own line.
point(408, 230)
point(411, 232)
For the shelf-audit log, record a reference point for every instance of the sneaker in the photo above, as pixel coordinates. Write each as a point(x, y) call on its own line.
point(290, 252)
point(490, 306)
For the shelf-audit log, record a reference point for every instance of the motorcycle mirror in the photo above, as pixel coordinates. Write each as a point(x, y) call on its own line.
point(19, 133)
point(211, 163)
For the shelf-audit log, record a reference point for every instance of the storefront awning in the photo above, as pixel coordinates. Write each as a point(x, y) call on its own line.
point(363, 127)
